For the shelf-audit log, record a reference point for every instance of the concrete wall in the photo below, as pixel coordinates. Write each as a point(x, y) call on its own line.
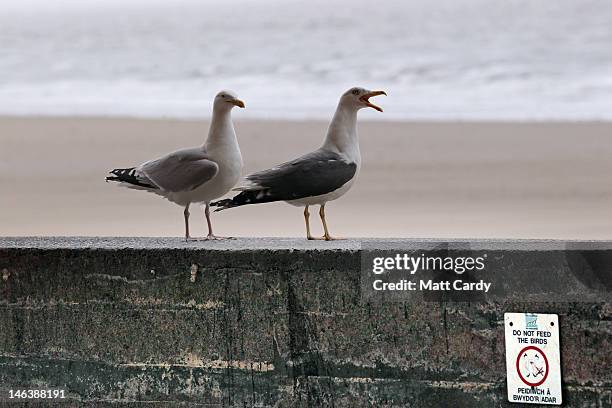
point(266, 323)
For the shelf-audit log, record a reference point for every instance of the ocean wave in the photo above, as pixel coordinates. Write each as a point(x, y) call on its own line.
point(444, 60)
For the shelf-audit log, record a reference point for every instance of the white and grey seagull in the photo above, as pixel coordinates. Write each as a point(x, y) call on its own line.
point(194, 175)
point(317, 177)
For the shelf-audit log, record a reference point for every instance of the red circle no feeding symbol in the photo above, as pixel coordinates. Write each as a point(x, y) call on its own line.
point(536, 370)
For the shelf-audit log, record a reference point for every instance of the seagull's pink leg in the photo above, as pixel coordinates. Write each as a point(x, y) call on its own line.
point(186, 214)
point(210, 230)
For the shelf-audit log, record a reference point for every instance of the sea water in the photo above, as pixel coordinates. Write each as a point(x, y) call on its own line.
point(438, 60)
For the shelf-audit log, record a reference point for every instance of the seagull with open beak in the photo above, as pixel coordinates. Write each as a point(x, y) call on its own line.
point(318, 177)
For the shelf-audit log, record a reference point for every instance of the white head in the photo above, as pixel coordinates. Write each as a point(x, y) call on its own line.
point(226, 100)
point(358, 98)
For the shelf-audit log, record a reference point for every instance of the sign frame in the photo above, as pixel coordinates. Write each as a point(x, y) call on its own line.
point(533, 361)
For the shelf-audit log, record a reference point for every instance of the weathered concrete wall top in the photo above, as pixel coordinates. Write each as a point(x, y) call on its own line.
point(266, 322)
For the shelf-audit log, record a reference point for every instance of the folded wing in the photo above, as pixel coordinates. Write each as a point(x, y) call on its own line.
point(314, 174)
point(183, 170)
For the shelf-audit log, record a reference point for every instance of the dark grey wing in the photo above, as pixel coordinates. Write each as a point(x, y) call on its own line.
point(316, 173)
point(183, 170)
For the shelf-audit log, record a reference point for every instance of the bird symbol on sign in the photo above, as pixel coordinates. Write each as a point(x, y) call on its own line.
point(531, 365)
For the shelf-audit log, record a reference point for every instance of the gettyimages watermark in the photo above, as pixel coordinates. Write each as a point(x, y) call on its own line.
point(412, 265)
point(463, 272)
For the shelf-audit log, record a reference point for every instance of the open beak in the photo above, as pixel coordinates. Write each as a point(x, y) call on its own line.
point(238, 103)
point(366, 99)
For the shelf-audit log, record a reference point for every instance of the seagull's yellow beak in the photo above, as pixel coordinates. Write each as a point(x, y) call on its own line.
point(365, 99)
point(238, 103)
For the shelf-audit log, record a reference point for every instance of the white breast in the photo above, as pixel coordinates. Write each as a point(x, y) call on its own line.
point(230, 170)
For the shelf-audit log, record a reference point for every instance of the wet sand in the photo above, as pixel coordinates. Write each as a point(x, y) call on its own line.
point(444, 180)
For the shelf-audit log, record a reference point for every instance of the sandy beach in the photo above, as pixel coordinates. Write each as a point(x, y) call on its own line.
point(454, 180)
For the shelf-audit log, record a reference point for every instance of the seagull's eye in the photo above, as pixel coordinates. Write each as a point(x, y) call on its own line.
point(355, 91)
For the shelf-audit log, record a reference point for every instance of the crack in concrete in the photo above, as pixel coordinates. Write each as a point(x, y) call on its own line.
point(104, 276)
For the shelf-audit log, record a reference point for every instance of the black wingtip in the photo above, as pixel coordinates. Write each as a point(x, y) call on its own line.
point(222, 204)
point(127, 176)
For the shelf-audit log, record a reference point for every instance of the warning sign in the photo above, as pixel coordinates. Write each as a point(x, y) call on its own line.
point(533, 367)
